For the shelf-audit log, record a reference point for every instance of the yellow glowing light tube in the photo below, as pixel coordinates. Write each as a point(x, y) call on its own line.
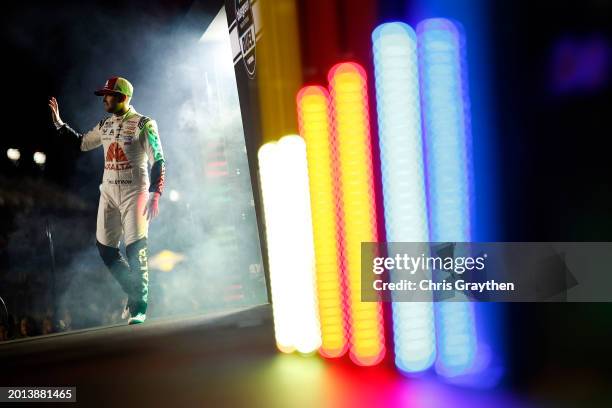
point(279, 67)
point(284, 183)
point(349, 96)
point(315, 128)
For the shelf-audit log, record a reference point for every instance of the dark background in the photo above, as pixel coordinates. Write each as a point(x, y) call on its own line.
point(550, 90)
point(553, 98)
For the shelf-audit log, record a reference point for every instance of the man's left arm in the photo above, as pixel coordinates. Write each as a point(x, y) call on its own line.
point(155, 153)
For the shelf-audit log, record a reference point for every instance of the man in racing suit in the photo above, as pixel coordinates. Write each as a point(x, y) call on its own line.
point(128, 200)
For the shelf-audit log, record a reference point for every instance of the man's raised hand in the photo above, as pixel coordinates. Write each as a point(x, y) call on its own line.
point(53, 106)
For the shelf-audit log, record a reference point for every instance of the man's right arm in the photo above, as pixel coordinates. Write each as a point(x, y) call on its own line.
point(87, 141)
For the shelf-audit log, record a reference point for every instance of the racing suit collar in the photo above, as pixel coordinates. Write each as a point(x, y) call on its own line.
point(129, 110)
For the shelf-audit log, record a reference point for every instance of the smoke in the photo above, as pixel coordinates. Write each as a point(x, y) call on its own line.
point(189, 88)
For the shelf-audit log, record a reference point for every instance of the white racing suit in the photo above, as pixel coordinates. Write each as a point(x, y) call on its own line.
point(131, 142)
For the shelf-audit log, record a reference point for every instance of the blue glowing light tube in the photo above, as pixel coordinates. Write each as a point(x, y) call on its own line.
point(447, 139)
point(405, 206)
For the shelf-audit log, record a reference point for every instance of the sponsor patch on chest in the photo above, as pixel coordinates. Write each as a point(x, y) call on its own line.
point(125, 138)
point(116, 159)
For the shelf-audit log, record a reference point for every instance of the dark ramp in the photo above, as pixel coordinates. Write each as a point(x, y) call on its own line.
point(224, 360)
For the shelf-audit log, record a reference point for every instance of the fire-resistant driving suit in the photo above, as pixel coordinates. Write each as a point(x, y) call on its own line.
point(131, 142)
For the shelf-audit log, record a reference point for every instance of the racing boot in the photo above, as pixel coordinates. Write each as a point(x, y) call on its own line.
point(137, 254)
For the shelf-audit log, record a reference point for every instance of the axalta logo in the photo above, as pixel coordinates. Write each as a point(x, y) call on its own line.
point(116, 158)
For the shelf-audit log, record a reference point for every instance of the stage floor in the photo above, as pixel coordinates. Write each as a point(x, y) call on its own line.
point(222, 360)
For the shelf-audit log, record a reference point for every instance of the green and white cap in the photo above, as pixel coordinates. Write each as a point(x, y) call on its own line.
point(116, 85)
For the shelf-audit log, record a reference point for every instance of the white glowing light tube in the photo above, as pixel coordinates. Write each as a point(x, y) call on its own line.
point(285, 189)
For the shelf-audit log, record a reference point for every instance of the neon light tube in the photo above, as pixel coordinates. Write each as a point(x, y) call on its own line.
point(446, 125)
point(315, 128)
point(284, 183)
point(401, 154)
point(349, 96)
